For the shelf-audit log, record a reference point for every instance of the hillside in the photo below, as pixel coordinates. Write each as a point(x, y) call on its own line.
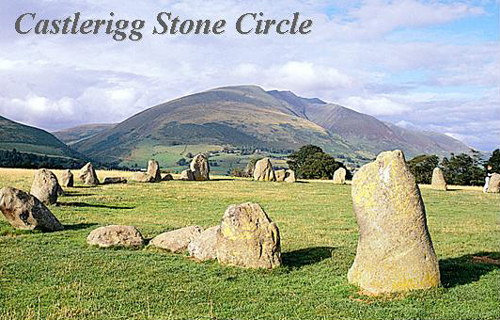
point(76, 134)
point(28, 139)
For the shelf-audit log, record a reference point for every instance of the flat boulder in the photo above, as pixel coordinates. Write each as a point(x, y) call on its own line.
point(248, 238)
point(114, 180)
point(204, 246)
point(264, 171)
point(395, 251)
point(142, 177)
point(339, 176)
point(176, 241)
point(438, 182)
point(187, 175)
point(494, 184)
point(24, 211)
point(280, 175)
point(154, 170)
point(88, 176)
point(200, 167)
point(115, 236)
point(290, 176)
point(67, 179)
point(167, 177)
point(45, 186)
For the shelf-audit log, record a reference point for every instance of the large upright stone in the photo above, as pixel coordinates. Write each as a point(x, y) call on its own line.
point(494, 184)
point(339, 176)
point(395, 251)
point(26, 212)
point(67, 179)
point(45, 186)
point(290, 176)
point(154, 170)
point(200, 167)
point(248, 238)
point(264, 170)
point(438, 182)
point(88, 175)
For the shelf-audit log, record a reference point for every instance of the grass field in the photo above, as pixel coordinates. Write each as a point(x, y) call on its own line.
point(57, 276)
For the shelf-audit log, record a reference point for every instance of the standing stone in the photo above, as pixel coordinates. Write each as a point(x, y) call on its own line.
point(264, 170)
point(176, 241)
point(248, 238)
point(154, 170)
point(26, 212)
point(438, 182)
point(115, 236)
point(167, 177)
point(45, 187)
point(280, 175)
point(187, 175)
point(290, 176)
point(339, 176)
point(395, 251)
point(249, 169)
point(67, 179)
point(200, 167)
point(204, 246)
point(88, 175)
point(494, 184)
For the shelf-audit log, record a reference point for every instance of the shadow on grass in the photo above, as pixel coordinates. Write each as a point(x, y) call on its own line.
point(76, 194)
point(78, 226)
point(468, 268)
point(307, 256)
point(83, 204)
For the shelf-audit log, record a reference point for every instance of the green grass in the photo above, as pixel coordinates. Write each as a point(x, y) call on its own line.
point(57, 276)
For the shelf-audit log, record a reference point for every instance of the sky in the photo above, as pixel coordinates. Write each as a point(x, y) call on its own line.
point(431, 65)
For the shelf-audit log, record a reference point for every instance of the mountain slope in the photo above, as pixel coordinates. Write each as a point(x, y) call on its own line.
point(244, 116)
point(28, 139)
point(76, 134)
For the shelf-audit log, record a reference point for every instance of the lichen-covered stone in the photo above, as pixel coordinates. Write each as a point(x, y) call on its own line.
point(204, 246)
point(88, 175)
point(494, 184)
point(45, 186)
point(290, 176)
point(438, 182)
point(26, 212)
point(67, 179)
point(264, 171)
point(248, 238)
point(200, 168)
point(115, 236)
point(187, 175)
point(339, 176)
point(154, 170)
point(176, 241)
point(395, 251)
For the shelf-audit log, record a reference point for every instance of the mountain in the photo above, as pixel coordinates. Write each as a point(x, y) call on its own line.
point(76, 134)
point(28, 139)
point(250, 118)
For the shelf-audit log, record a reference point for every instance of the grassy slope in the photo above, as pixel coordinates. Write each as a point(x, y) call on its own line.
point(73, 135)
point(56, 275)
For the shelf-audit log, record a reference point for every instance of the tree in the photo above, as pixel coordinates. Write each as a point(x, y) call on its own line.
point(311, 162)
point(422, 166)
point(463, 170)
point(494, 161)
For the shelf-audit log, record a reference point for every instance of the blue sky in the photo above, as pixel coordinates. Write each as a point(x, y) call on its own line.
point(432, 65)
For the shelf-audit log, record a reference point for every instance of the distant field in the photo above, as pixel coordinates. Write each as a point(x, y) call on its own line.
point(57, 276)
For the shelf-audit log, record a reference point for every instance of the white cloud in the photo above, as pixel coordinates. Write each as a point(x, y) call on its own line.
point(377, 106)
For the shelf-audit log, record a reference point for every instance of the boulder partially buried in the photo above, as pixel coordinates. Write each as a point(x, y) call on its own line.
point(438, 182)
point(395, 251)
point(45, 186)
point(494, 184)
point(115, 236)
point(67, 179)
point(339, 176)
point(290, 176)
point(88, 175)
point(176, 241)
point(26, 212)
point(142, 177)
point(167, 177)
point(200, 168)
point(204, 246)
point(187, 175)
point(154, 170)
point(114, 180)
point(248, 238)
point(264, 171)
point(280, 175)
